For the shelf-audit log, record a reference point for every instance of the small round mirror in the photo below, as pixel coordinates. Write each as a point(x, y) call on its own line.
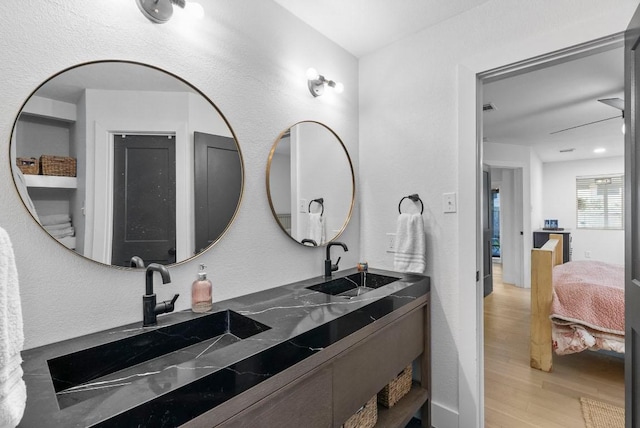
point(310, 183)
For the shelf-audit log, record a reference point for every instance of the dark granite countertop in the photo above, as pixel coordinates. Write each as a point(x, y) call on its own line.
point(288, 323)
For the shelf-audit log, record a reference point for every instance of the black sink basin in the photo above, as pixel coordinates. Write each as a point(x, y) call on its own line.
point(84, 374)
point(354, 284)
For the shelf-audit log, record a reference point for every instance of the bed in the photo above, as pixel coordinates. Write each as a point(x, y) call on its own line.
point(574, 306)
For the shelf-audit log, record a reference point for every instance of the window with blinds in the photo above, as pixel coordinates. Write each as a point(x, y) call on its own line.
point(600, 202)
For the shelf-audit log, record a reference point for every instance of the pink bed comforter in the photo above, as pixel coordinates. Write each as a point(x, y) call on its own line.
point(588, 297)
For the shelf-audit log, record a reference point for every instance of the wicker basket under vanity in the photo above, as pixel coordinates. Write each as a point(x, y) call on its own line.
point(28, 165)
point(58, 165)
point(365, 417)
point(396, 389)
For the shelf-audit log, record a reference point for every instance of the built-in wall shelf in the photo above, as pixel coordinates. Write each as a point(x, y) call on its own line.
point(51, 181)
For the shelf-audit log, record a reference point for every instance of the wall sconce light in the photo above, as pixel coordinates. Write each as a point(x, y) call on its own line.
point(160, 11)
point(317, 82)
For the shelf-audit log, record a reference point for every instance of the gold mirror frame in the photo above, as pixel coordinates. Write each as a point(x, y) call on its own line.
point(188, 88)
point(277, 216)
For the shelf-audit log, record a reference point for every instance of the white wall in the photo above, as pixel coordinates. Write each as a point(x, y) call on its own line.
point(250, 59)
point(559, 197)
point(415, 92)
point(280, 182)
point(315, 148)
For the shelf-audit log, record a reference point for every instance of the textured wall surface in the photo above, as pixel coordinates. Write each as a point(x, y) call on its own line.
point(248, 57)
point(410, 143)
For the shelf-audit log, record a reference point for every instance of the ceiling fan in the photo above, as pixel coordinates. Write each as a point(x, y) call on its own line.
point(617, 103)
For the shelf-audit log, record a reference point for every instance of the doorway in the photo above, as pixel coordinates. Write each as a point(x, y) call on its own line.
point(534, 165)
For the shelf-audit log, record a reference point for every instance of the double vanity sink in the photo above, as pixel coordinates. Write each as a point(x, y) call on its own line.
point(353, 285)
point(192, 364)
point(78, 376)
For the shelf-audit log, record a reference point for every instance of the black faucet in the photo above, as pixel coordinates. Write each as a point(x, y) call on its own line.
point(150, 310)
point(328, 266)
point(309, 241)
point(136, 262)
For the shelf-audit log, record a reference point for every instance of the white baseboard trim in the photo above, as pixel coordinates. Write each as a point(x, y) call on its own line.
point(443, 417)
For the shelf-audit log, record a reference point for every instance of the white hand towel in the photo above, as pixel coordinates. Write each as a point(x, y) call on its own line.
point(316, 228)
point(410, 244)
point(12, 388)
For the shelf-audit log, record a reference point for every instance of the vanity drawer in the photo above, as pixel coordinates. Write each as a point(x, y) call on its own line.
point(303, 403)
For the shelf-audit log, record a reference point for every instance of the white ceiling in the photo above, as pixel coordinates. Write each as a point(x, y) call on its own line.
point(363, 26)
point(531, 106)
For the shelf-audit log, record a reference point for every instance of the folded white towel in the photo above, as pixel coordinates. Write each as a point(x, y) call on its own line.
point(12, 388)
point(47, 220)
point(63, 233)
point(52, 227)
point(411, 248)
point(316, 228)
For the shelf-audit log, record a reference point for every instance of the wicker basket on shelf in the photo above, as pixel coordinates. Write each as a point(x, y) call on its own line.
point(396, 389)
point(365, 417)
point(28, 165)
point(58, 165)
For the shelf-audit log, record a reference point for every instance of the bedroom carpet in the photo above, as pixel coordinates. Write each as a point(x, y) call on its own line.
point(598, 414)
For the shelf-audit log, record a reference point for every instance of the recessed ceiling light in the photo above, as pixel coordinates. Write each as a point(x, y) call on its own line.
point(599, 150)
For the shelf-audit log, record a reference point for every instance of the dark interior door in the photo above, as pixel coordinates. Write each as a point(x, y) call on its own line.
point(144, 202)
point(487, 230)
point(632, 222)
point(218, 185)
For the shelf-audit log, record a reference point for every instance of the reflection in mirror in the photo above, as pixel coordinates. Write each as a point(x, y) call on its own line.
point(119, 159)
point(310, 183)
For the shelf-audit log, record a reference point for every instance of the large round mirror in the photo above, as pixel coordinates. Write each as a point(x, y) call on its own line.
point(117, 159)
point(310, 183)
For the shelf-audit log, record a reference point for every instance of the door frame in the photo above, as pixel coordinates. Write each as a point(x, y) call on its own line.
point(99, 212)
point(470, 78)
point(524, 263)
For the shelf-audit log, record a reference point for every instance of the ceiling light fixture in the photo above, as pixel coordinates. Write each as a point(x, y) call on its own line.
point(317, 82)
point(161, 11)
point(599, 150)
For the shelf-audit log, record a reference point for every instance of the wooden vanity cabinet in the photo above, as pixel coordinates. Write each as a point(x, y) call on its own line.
point(329, 394)
point(304, 403)
point(365, 368)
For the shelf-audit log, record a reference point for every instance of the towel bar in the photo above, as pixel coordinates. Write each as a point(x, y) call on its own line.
point(319, 201)
point(415, 198)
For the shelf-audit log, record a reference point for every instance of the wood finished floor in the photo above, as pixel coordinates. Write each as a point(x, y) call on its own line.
point(519, 396)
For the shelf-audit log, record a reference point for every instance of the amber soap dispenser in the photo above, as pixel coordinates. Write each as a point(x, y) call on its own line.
point(201, 292)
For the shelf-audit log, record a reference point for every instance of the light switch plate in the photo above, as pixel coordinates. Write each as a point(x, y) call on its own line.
point(449, 202)
point(302, 206)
